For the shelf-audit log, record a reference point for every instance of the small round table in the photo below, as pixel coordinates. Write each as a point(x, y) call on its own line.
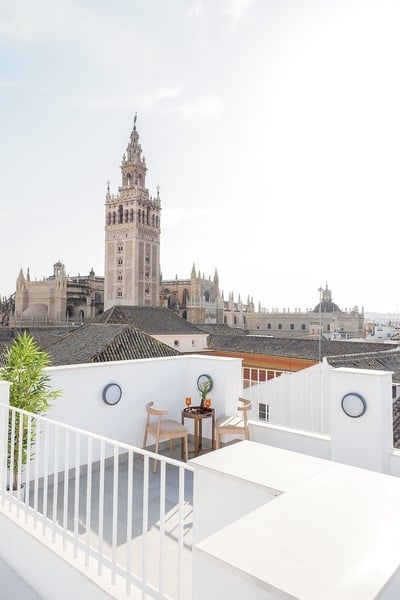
point(198, 413)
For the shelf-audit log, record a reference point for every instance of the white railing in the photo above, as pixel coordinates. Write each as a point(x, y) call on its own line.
point(297, 400)
point(101, 501)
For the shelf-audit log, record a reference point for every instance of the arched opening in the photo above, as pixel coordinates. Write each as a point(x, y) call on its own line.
point(148, 216)
point(114, 218)
point(81, 316)
point(128, 179)
point(126, 216)
point(185, 298)
point(131, 215)
point(120, 214)
point(109, 219)
point(207, 296)
point(69, 314)
point(184, 314)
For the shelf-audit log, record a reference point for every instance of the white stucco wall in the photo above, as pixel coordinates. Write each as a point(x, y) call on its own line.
point(366, 441)
point(314, 444)
point(184, 343)
point(4, 392)
point(317, 537)
point(165, 381)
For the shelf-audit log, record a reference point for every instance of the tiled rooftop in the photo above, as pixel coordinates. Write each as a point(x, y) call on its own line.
point(149, 319)
point(293, 348)
point(100, 342)
point(220, 329)
point(383, 360)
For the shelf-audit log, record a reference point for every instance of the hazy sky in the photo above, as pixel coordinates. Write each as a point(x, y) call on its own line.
point(272, 128)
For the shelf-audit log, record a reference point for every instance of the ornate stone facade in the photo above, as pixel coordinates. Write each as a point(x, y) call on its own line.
point(132, 235)
point(57, 299)
point(197, 299)
point(326, 320)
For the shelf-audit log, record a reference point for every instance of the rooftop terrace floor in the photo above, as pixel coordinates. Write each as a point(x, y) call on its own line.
point(101, 534)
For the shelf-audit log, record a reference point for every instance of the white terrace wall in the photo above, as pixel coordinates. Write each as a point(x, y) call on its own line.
point(4, 392)
point(365, 442)
point(166, 381)
point(299, 400)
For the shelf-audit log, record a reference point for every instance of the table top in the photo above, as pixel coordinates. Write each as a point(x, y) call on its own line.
point(197, 411)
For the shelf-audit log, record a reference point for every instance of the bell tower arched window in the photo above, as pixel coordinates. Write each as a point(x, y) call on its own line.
point(120, 214)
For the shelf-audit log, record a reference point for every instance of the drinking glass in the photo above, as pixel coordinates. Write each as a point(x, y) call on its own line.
point(188, 401)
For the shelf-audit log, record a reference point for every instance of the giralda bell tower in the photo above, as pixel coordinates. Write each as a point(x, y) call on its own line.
point(132, 235)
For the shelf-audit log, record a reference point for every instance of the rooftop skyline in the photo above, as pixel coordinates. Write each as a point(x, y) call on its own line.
point(271, 129)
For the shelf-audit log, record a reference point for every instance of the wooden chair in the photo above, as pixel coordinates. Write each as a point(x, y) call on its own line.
point(233, 425)
point(164, 429)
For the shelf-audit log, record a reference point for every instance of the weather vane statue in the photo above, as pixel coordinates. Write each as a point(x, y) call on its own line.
point(134, 121)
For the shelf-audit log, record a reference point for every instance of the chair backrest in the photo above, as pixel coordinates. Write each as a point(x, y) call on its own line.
point(158, 412)
point(245, 408)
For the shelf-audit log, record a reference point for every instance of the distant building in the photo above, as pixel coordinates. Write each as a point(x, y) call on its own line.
point(58, 299)
point(132, 277)
point(326, 320)
point(132, 254)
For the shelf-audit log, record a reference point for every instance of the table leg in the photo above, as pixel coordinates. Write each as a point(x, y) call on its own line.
point(183, 422)
point(196, 437)
point(213, 431)
point(200, 434)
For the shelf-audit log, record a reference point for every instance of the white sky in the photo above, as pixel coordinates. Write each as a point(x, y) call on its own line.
point(272, 128)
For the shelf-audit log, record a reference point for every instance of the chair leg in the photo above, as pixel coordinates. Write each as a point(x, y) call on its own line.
point(156, 451)
point(145, 439)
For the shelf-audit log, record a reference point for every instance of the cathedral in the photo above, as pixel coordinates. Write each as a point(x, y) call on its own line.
point(132, 271)
point(132, 277)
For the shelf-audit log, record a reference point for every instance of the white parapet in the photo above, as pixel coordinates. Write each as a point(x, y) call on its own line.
point(325, 530)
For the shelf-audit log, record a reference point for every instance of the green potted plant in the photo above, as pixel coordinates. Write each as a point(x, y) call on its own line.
point(29, 391)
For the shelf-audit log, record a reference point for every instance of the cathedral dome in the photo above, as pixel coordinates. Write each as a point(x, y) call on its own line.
point(326, 304)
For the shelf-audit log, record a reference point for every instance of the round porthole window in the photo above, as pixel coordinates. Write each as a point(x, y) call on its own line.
point(112, 394)
point(354, 405)
point(204, 383)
